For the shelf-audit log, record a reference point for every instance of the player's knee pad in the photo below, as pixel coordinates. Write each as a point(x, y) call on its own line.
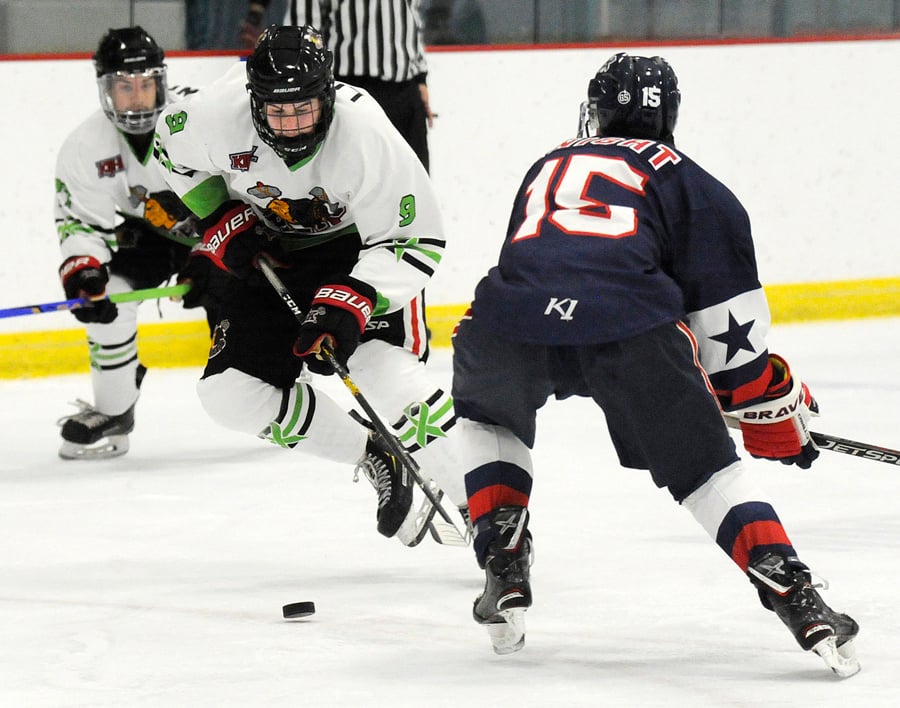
point(238, 401)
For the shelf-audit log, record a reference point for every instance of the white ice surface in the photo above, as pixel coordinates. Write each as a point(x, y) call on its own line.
point(157, 579)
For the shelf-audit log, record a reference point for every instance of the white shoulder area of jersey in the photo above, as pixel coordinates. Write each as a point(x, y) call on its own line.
point(94, 139)
point(360, 121)
point(356, 102)
point(211, 99)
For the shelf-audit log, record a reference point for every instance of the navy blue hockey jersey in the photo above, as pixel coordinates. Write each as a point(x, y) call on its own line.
point(611, 237)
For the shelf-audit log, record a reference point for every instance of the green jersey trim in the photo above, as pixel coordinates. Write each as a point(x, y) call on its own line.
point(207, 196)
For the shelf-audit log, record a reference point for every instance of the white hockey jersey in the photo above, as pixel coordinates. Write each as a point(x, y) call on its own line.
point(100, 180)
point(363, 179)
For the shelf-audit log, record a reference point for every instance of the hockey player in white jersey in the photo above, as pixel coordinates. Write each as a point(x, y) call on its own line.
point(120, 228)
point(277, 158)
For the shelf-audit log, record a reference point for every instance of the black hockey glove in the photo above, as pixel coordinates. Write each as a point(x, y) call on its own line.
point(338, 313)
point(196, 273)
point(231, 240)
point(85, 276)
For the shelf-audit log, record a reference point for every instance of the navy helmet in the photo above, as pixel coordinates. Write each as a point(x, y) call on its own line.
point(122, 55)
point(633, 97)
point(291, 65)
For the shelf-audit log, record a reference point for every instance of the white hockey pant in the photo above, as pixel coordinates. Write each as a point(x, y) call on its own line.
point(112, 349)
point(391, 379)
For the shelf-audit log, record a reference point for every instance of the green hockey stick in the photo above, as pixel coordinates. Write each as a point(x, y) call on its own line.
point(75, 303)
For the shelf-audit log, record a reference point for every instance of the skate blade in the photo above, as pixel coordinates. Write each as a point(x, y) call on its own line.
point(840, 659)
point(105, 448)
point(508, 636)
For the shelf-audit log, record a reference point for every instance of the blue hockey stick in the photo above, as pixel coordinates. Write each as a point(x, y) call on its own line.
point(75, 303)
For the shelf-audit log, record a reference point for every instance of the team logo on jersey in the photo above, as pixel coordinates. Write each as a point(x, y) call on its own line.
point(264, 191)
point(137, 195)
point(110, 166)
point(241, 161)
point(176, 122)
point(218, 338)
point(624, 97)
point(306, 215)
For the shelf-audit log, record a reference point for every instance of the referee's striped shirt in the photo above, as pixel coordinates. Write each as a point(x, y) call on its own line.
point(377, 38)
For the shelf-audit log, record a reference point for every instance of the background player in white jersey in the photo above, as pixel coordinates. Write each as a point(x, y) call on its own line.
point(628, 276)
point(278, 159)
point(120, 228)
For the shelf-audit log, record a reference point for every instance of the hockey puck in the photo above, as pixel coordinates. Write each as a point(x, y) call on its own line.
point(296, 610)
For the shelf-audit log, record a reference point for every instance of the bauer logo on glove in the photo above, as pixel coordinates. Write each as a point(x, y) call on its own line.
point(346, 297)
point(338, 313)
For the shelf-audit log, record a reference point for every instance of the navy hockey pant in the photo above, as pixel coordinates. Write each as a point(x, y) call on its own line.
point(660, 411)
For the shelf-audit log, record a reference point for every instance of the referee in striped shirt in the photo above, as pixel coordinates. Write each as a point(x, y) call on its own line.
point(377, 46)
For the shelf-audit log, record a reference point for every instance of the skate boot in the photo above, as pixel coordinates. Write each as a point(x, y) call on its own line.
point(789, 592)
point(395, 514)
point(92, 435)
point(507, 589)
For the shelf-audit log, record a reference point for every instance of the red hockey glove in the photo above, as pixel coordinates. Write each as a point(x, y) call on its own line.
point(230, 238)
point(776, 429)
point(339, 313)
point(85, 276)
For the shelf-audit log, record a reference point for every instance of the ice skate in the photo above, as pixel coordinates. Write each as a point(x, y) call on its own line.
point(92, 435)
point(395, 515)
point(789, 592)
point(507, 589)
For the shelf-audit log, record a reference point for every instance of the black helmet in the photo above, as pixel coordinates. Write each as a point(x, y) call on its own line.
point(290, 65)
point(632, 97)
point(125, 53)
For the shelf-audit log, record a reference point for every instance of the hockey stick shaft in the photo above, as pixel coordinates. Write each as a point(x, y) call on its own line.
point(848, 447)
point(856, 449)
point(395, 446)
point(75, 303)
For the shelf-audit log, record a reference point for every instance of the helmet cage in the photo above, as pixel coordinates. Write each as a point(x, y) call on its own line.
point(632, 96)
point(290, 65)
point(300, 146)
point(134, 122)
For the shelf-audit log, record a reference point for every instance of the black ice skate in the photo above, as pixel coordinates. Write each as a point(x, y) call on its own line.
point(788, 591)
point(92, 435)
point(507, 589)
point(391, 482)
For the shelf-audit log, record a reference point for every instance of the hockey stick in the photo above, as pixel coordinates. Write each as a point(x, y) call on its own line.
point(848, 447)
point(395, 447)
point(75, 303)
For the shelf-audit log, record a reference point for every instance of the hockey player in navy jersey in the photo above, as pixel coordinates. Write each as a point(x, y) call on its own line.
point(628, 275)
